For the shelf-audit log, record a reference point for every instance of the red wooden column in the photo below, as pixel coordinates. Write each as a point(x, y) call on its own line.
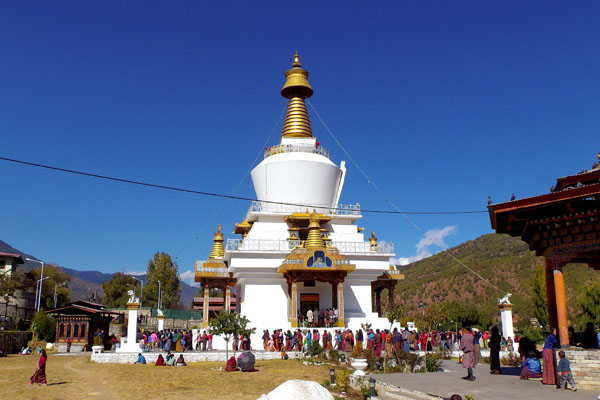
point(551, 294)
point(561, 306)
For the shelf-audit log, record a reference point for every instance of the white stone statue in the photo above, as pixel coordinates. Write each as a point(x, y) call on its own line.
point(132, 298)
point(159, 312)
point(505, 299)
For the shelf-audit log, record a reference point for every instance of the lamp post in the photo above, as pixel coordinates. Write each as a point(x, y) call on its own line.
point(332, 377)
point(142, 288)
point(36, 289)
point(159, 295)
point(39, 297)
point(55, 286)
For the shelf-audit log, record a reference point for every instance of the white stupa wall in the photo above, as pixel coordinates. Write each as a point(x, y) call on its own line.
point(297, 178)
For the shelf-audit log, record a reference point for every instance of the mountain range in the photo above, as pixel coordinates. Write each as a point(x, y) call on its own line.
point(85, 285)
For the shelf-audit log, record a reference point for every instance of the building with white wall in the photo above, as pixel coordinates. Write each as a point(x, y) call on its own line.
point(299, 248)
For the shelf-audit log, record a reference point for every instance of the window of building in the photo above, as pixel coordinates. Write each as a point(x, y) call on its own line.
point(82, 330)
point(69, 330)
point(61, 330)
point(76, 330)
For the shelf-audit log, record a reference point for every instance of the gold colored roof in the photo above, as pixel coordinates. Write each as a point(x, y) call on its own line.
point(314, 239)
point(296, 88)
point(242, 228)
point(217, 250)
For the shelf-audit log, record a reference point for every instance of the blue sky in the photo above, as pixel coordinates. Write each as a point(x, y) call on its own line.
point(442, 104)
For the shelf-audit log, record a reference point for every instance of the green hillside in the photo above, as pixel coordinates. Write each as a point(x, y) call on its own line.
point(504, 261)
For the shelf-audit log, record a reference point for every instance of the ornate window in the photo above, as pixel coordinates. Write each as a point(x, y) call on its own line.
point(68, 330)
point(319, 259)
point(82, 330)
point(76, 330)
point(61, 330)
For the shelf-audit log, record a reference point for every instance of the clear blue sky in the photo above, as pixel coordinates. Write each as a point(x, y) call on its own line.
point(441, 104)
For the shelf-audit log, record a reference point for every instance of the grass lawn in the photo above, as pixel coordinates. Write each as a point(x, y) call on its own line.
point(76, 377)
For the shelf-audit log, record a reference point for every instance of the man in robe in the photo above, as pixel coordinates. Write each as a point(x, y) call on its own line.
point(469, 360)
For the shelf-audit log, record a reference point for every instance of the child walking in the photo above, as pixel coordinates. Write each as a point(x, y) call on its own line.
point(564, 369)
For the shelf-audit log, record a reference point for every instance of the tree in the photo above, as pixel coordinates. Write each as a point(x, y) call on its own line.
point(162, 268)
point(115, 290)
point(8, 284)
point(589, 301)
point(57, 278)
point(44, 327)
point(393, 315)
point(538, 295)
point(229, 324)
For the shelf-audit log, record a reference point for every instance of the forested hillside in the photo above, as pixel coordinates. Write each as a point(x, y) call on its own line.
point(504, 261)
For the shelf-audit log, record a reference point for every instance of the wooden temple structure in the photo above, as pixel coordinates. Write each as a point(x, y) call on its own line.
point(563, 226)
point(79, 321)
point(213, 274)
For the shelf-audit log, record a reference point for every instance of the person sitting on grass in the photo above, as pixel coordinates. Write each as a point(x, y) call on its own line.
point(141, 359)
point(532, 369)
point(180, 361)
point(160, 361)
point(170, 360)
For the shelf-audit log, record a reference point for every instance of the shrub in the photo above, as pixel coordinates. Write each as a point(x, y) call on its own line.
point(315, 349)
point(533, 334)
point(333, 355)
point(433, 363)
point(342, 379)
point(356, 353)
point(44, 327)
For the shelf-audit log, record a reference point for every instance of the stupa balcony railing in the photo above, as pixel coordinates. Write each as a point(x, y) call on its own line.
point(285, 246)
point(279, 208)
point(296, 148)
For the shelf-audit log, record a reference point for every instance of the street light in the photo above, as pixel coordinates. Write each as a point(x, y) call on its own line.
point(38, 299)
point(55, 286)
point(142, 289)
point(36, 289)
point(159, 295)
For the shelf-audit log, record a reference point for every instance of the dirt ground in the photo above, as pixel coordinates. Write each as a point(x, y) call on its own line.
point(76, 377)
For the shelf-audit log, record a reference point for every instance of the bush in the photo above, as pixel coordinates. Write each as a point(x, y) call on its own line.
point(433, 363)
point(333, 355)
point(356, 353)
point(533, 334)
point(315, 349)
point(44, 327)
point(342, 379)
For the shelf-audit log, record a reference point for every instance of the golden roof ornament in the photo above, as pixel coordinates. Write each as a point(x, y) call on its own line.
point(597, 164)
point(217, 250)
point(314, 238)
point(373, 241)
point(296, 89)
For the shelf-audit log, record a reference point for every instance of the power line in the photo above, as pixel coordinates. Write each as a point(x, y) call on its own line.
point(225, 196)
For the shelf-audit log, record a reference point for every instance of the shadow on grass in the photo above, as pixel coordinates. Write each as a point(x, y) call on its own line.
point(511, 371)
point(57, 383)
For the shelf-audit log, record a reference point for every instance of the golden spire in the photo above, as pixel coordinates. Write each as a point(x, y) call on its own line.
point(314, 238)
point(296, 88)
point(217, 250)
point(373, 241)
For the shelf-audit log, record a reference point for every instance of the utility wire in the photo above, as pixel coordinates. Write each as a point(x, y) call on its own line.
point(226, 196)
point(386, 198)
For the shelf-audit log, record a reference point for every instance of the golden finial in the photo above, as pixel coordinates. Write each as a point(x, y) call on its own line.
point(597, 164)
point(314, 238)
point(296, 89)
point(217, 250)
point(373, 241)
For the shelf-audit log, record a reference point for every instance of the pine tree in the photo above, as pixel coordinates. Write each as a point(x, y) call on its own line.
point(538, 295)
point(162, 268)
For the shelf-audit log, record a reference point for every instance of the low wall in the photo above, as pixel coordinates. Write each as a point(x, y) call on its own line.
point(585, 365)
point(12, 342)
point(130, 358)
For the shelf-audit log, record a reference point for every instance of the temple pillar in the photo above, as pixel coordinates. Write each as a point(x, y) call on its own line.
point(561, 306)
point(391, 294)
point(378, 301)
point(294, 305)
point(340, 304)
point(334, 302)
point(227, 303)
point(551, 294)
point(131, 345)
point(289, 302)
point(161, 322)
point(205, 307)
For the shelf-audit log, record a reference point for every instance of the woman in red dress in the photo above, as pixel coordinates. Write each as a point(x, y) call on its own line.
point(40, 373)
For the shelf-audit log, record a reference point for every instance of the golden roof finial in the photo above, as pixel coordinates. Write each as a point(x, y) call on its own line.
point(296, 88)
point(314, 238)
point(598, 163)
point(217, 250)
point(373, 241)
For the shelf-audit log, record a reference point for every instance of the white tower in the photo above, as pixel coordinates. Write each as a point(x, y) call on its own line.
point(298, 170)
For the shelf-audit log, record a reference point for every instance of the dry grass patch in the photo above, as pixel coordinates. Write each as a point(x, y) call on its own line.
point(76, 377)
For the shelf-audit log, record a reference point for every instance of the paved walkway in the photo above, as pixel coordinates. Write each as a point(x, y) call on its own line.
point(487, 387)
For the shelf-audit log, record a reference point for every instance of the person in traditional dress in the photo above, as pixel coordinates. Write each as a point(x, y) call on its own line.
point(265, 339)
point(141, 359)
point(170, 360)
point(389, 346)
point(378, 344)
point(469, 362)
point(359, 339)
point(532, 368)
point(39, 375)
point(180, 361)
point(160, 361)
point(495, 343)
point(549, 376)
